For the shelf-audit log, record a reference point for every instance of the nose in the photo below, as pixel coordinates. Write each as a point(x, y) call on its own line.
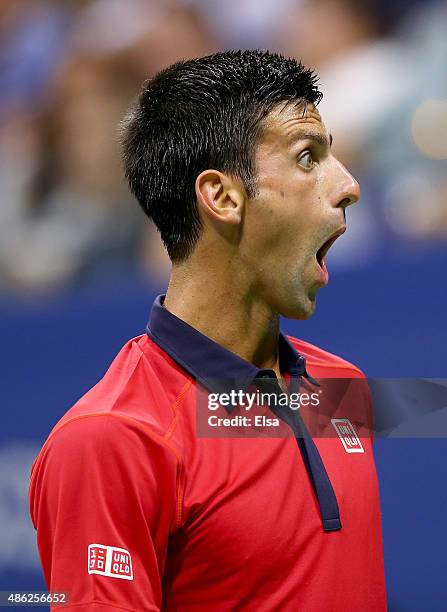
point(349, 188)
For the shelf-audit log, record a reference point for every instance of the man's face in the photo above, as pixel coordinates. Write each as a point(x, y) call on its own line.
point(299, 208)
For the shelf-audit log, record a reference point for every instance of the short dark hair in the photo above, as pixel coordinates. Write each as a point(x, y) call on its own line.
point(198, 114)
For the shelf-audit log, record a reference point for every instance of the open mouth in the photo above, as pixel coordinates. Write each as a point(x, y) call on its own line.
point(323, 250)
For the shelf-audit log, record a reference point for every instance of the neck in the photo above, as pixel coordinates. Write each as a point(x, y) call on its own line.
point(225, 309)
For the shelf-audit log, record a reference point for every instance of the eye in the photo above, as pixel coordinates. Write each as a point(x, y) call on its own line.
point(306, 160)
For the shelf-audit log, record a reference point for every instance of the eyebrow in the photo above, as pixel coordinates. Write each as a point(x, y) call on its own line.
point(320, 139)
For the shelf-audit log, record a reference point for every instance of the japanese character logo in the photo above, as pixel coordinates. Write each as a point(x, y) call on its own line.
point(348, 435)
point(109, 561)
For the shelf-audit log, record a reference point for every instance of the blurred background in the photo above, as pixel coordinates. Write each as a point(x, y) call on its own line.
point(80, 264)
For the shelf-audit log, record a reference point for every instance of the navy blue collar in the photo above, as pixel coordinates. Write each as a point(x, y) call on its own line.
point(212, 365)
point(219, 370)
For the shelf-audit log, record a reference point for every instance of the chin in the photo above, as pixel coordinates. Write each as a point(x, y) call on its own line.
point(300, 311)
point(308, 312)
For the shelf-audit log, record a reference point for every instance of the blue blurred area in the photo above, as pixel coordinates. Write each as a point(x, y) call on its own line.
point(412, 476)
point(387, 317)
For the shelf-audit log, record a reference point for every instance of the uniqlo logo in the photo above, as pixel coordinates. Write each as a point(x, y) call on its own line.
point(109, 561)
point(348, 435)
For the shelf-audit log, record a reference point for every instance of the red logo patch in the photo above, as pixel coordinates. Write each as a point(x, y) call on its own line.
point(348, 435)
point(109, 561)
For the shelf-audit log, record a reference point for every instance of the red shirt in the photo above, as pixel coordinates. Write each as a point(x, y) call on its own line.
point(134, 511)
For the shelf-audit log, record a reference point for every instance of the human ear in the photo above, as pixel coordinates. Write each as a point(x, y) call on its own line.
point(220, 196)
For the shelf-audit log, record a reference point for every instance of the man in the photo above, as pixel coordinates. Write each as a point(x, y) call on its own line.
point(138, 506)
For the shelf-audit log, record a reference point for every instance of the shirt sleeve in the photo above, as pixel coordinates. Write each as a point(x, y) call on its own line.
point(105, 495)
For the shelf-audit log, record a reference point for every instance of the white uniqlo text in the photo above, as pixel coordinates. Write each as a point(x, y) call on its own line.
point(109, 561)
point(347, 435)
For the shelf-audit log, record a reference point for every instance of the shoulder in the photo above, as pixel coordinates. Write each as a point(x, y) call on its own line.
point(323, 363)
point(102, 455)
point(124, 416)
